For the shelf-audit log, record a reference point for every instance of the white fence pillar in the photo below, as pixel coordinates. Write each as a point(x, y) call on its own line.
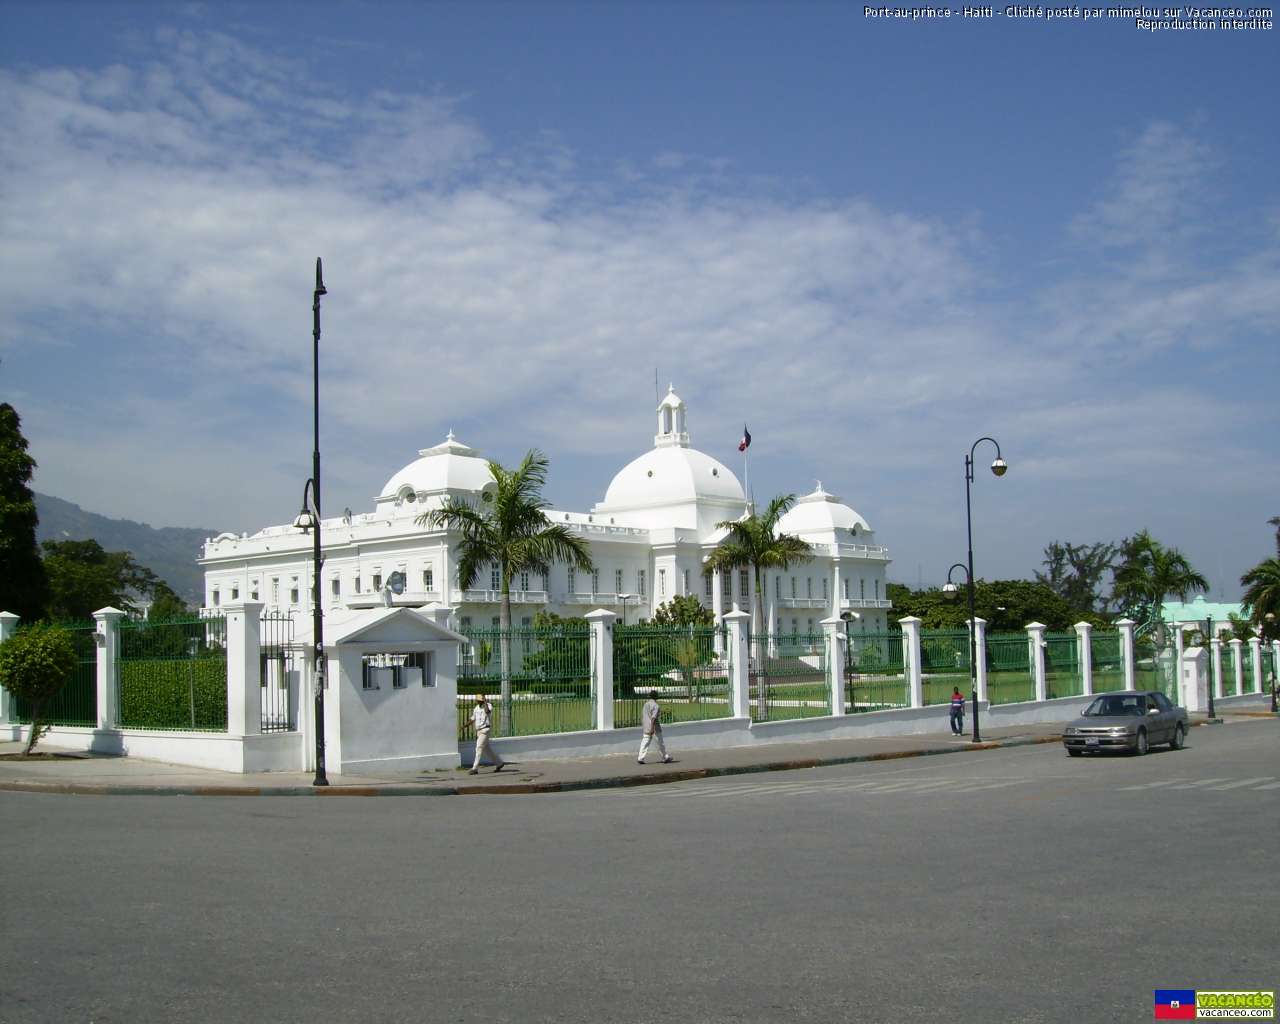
point(1215, 652)
point(8, 626)
point(739, 664)
point(1275, 662)
point(1237, 662)
point(244, 668)
point(833, 627)
point(1084, 655)
point(717, 606)
point(1255, 648)
point(1126, 651)
point(1035, 642)
point(602, 666)
point(1194, 684)
point(107, 638)
point(911, 659)
point(979, 651)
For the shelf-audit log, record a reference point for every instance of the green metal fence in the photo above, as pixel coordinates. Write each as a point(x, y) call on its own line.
point(173, 675)
point(1228, 662)
point(1009, 678)
point(1246, 659)
point(1108, 668)
point(788, 676)
point(677, 663)
point(77, 702)
point(550, 672)
point(1062, 669)
point(944, 664)
point(876, 676)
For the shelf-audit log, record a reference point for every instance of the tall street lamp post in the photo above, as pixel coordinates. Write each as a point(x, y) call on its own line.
point(1271, 620)
point(949, 591)
point(309, 520)
point(1208, 635)
point(624, 598)
point(999, 467)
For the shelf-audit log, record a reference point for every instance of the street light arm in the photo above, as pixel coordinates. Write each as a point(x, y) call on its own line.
point(958, 565)
point(968, 462)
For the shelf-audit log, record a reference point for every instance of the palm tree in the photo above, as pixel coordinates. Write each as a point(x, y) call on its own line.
point(1262, 595)
point(753, 543)
point(509, 529)
point(1151, 572)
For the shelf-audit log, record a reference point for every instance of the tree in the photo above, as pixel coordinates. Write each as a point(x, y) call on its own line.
point(1075, 571)
point(509, 528)
point(683, 610)
point(83, 578)
point(1148, 573)
point(35, 663)
point(753, 543)
point(1262, 597)
point(166, 605)
point(1005, 605)
point(23, 585)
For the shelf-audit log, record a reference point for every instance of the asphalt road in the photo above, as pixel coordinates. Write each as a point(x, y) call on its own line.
point(1012, 885)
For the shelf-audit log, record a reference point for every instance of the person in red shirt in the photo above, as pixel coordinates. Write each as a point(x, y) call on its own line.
point(957, 711)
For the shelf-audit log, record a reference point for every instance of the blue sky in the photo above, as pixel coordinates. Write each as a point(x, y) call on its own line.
point(872, 241)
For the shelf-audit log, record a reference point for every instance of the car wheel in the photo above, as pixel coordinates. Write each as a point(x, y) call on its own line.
point(1179, 737)
point(1141, 746)
point(1075, 753)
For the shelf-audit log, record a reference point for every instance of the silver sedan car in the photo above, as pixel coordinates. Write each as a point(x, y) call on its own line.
point(1132, 721)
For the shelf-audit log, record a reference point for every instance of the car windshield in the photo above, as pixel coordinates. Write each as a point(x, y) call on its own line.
point(1113, 706)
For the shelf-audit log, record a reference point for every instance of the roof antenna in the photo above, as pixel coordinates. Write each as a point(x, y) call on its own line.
point(657, 389)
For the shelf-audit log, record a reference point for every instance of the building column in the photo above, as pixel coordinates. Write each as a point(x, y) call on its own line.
point(1215, 649)
point(833, 627)
point(1035, 641)
point(107, 638)
point(979, 628)
point(1237, 662)
point(717, 609)
point(737, 623)
point(601, 622)
point(911, 660)
point(1126, 651)
point(1255, 648)
point(1084, 655)
point(1178, 647)
point(835, 608)
point(244, 668)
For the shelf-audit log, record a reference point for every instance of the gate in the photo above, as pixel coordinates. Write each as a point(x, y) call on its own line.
point(279, 675)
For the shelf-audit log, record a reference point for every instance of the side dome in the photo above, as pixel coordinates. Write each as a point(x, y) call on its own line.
point(449, 466)
point(671, 476)
point(823, 513)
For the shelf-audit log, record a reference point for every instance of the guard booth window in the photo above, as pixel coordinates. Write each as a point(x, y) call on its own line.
point(385, 670)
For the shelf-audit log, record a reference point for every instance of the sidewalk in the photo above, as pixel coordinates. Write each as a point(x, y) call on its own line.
point(101, 775)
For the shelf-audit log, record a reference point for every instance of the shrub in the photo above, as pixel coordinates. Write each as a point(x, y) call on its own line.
point(35, 663)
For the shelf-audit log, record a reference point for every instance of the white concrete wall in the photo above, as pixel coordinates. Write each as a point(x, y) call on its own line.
point(390, 729)
point(273, 752)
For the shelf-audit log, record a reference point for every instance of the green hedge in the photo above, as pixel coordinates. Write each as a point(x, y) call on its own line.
point(158, 694)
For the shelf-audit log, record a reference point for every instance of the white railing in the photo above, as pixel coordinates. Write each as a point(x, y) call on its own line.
point(865, 602)
point(804, 602)
point(495, 596)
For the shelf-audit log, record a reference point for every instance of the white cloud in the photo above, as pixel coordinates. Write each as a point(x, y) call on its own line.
point(169, 213)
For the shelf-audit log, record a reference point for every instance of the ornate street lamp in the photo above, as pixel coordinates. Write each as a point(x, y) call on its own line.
point(624, 598)
point(308, 521)
point(950, 591)
point(999, 467)
point(1208, 635)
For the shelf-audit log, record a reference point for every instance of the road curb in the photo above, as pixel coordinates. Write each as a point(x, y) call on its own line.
point(508, 789)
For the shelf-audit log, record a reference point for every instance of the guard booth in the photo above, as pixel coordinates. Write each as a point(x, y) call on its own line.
point(392, 698)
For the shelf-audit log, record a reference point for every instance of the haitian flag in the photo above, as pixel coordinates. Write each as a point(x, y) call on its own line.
point(1175, 1004)
point(745, 443)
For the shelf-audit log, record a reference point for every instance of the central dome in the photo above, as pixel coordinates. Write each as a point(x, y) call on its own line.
point(672, 476)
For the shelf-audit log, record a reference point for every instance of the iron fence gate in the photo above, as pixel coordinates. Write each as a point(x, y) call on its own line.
point(279, 673)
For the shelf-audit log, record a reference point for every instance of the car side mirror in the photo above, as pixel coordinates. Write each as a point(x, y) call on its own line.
point(1153, 711)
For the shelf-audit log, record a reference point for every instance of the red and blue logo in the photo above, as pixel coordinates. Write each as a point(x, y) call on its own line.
point(1175, 1004)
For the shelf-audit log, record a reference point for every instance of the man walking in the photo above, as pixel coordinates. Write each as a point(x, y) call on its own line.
point(651, 720)
point(957, 711)
point(482, 719)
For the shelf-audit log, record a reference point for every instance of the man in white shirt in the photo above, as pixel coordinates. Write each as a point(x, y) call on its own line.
point(651, 720)
point(482, 719)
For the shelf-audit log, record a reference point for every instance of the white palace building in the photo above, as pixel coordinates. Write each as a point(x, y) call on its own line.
point(649, 538)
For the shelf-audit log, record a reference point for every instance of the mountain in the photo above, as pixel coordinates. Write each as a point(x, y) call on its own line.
point(170, 552)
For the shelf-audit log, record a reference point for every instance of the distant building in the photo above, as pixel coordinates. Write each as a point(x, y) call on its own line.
point(649, 538)
point(1195, 612)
